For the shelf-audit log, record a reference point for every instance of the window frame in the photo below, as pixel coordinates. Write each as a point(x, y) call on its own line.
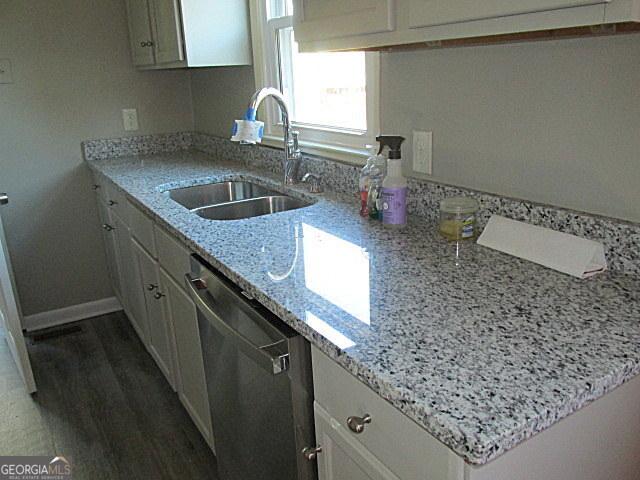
point(329, 142)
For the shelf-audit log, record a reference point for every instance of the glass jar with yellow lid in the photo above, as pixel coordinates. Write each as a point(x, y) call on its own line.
point(458, 218)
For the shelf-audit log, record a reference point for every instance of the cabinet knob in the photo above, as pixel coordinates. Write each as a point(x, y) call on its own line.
point(158, 295)
point(112, 203)
point(311, 453)
point(151, 287)
point(146, 44)
point(108, 227)
point(357, 424)
point(95, 186)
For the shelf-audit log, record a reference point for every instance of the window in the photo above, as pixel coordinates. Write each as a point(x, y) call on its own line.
point(333, 97)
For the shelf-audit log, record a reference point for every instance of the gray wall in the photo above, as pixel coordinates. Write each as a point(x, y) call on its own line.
point(555, 122)
point(73, 75)
point(220, 96)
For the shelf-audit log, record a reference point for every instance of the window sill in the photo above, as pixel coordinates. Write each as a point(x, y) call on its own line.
point(340, 153)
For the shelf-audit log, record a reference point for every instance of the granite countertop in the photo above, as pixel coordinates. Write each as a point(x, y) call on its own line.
point(481, 349)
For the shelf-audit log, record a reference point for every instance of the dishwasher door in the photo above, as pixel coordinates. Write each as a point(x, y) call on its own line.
point(258, 374)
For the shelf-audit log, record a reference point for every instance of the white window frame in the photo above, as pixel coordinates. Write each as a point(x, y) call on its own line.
point(336, 143)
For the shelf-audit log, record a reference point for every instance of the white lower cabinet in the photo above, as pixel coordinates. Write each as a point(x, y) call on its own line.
point(110, 247)
point(191, 384)
point(147, 267)
point(388, 446)
point(159, 340)
point(342, 457)
point(132, 292)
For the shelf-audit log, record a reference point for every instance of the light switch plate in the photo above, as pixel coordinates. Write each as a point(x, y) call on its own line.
point(6, 75)
point(130, 119)
point(422, 152)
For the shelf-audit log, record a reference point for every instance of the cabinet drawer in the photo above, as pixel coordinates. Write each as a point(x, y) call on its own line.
point(173, 257)
point(142, 230)
point(401, 445)
point(116, 200)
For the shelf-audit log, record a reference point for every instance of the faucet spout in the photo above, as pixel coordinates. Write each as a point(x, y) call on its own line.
point(292, 153)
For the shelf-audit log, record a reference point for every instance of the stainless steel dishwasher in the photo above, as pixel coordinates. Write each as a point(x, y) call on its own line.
point(258, 373)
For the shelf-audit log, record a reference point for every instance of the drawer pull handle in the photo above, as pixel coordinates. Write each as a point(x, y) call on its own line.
point(96, 186)
point(151, 287)
point(311, 453)
point(112, 203)
point(158, 295)
point(356, 424)
point(108, 227)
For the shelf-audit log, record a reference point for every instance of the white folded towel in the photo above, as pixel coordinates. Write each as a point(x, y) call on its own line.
point(566, 253)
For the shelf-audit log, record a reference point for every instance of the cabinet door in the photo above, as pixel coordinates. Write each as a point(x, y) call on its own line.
point(191, 383)
point(424, 13)
point(167, 31)
point(132, 293)
point(342, 457)
point(140, 32)
point(160, 341)
point(108, 235)
point(324, 19)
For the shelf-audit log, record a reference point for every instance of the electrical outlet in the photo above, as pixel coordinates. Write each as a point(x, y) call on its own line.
point(422, 152)
point(130, 119)
point(6, 75)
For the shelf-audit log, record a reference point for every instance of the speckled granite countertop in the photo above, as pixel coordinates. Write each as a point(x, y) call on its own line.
point(481, 349)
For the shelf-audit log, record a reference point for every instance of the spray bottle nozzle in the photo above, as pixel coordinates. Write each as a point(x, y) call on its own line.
point(394, 143)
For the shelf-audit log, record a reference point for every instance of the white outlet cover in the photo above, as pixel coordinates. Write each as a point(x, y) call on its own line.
point(6, 74)
point(423, 152)
point(130, 119)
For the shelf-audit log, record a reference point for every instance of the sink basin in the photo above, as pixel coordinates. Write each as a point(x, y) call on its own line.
point(217, 193)
point(251, 208)
point(234, 200)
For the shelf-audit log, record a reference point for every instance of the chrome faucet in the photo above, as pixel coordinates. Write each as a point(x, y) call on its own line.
point(292, 153)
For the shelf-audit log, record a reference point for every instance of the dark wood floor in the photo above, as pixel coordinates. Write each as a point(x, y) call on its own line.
point(103, 403)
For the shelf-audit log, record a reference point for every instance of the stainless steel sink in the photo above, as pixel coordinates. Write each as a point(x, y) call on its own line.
point(251, 208)
point(234, 200)
point(217, 193)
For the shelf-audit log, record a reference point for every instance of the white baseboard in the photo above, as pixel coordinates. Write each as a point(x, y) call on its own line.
point(70, 314)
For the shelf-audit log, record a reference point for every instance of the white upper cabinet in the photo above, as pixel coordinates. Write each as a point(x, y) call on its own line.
point(189, 33)
point(424, 13)
point(322, 25)
point(140, 33)
point(167, 31)
point(216, 32)
point(320, 19)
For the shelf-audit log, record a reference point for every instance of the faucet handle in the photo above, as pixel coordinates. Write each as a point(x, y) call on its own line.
point(314, 181)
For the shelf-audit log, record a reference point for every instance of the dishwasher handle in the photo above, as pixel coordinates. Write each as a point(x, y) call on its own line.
point(276, 363)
